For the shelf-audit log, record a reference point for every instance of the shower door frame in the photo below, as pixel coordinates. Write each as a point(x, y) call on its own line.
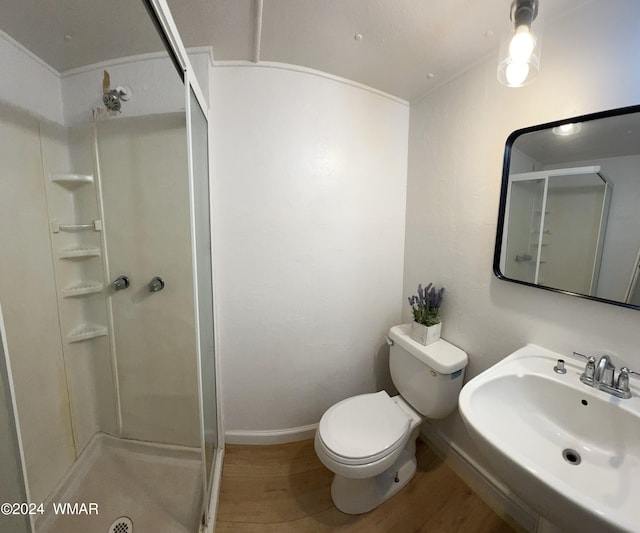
point(210, 484)
point(162, 18)
point(6, 375)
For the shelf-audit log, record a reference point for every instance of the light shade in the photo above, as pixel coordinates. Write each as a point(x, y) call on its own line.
point(516, 70)
point(520, 51)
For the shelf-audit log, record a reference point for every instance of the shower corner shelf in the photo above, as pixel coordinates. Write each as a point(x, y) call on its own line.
point(71, 181)
point(81, 288)
point(79, 253)
point(56, 227)
point(86, 331)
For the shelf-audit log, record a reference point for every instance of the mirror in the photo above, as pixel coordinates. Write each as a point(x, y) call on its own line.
point(569, 219)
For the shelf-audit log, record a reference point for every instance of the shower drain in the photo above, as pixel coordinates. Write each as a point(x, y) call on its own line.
point(571, 456)
point(121, 525)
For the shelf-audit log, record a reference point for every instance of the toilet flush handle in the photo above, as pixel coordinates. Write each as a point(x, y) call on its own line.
point(389, 341)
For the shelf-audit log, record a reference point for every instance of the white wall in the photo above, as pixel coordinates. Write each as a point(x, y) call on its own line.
point(622, 238)
point(457, 138)
point(28, 297)
point(573, 220)
point(28, 82)
point(87, 365)
point(143, 173)
point(309, 211)
point(520, 162)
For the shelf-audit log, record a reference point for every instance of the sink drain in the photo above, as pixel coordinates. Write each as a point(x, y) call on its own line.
point(571, 456)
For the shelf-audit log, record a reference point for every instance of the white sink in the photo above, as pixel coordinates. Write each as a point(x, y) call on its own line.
point(523, 415)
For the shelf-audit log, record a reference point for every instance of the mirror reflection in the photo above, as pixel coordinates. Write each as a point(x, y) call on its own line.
point(568, 210)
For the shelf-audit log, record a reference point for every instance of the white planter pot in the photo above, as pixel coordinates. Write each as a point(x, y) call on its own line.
point(425, 335)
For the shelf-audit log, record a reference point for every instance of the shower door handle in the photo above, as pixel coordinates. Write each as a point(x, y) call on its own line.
point(156, 284)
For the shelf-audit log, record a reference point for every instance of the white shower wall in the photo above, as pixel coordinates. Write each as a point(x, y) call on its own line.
point(309, 213)
point(64, 391)
point(143, 175)
point(28, 82)
point(29, 302)
point(88, 368)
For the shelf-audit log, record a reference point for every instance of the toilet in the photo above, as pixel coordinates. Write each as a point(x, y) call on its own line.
point(369, 440)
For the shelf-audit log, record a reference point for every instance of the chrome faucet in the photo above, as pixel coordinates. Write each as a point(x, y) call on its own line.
point(602, 376)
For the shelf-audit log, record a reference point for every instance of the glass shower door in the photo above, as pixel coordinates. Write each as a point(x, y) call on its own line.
point(197, 127)
point(98, 183)
point(523, 231)
point(12, 488)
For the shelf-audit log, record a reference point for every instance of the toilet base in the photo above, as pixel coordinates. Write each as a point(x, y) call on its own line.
point(358, 496)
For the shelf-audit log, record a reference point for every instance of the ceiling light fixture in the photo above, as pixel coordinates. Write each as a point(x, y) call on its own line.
point(520, 52)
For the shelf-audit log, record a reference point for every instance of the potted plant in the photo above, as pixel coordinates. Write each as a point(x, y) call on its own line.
point(426, 314)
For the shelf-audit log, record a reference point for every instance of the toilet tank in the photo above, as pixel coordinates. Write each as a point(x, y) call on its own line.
point(428, 377)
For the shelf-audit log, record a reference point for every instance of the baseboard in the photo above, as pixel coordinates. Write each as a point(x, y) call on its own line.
point(493, 492)
point(275, 436)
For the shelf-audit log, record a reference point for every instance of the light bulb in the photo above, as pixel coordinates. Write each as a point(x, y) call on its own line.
point(567, 129)
point(521, 45)
point(519, 59)
point(516, 73)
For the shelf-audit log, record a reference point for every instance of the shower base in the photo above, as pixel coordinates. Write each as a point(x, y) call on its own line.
point(158, 487)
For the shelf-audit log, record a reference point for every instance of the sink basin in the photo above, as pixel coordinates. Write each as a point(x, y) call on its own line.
point(570, 451)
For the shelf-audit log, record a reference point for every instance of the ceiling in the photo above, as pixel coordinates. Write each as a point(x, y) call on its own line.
point(405, 47)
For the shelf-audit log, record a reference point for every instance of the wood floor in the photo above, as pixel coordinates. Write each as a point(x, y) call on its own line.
point(285, 488)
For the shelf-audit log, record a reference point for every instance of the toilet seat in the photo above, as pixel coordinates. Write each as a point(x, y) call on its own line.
point(364, 428)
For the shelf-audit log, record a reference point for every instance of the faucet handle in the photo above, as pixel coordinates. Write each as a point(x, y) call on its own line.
point(587, 376)
point(624, 375)
point(583, 356)
point(622, 384)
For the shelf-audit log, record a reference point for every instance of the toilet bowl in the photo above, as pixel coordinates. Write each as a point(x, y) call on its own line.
point(368, 440)
point(362, 436)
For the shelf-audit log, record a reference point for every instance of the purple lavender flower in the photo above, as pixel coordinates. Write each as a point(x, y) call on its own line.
point(426, 305)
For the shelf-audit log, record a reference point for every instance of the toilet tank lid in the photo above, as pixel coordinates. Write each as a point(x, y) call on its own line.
point(441, 356)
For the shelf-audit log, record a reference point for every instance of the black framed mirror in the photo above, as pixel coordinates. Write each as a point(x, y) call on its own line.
point(569, 216)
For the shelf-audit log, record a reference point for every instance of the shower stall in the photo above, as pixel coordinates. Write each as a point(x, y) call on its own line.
point(557, 221)
point(108, 399)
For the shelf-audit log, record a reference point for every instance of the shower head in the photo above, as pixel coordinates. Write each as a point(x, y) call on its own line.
point(113, 98)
